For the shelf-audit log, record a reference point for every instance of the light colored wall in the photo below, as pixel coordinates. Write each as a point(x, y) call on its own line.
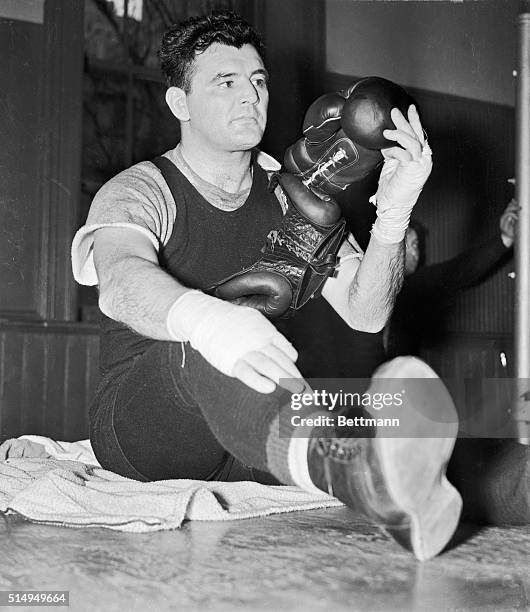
point(461, 48)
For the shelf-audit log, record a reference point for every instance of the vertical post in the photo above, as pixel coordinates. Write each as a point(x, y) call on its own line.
point(522, 243)
point(129, 100)
point(61, 109)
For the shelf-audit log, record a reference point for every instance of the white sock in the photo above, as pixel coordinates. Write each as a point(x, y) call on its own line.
point(297, 461)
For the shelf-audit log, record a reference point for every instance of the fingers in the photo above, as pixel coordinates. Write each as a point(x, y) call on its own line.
point(401, 122)
point(411, 125)
point(248, 375)
point(508, 222)
point(414, 120)
point(513, 207)
point(409, 134)
point(262, 370)
point(397, 153)
point(509, 218)
point(278, 357)
point(271, 362)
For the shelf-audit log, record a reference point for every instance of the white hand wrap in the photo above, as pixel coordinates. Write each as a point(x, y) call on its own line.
point(400, 185)
point(220, 331)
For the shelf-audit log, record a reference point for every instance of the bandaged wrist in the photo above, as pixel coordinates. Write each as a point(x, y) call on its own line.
point(393, 217)
point(400, 186)
point(390, 227)
point(180, 317)
point(222, 332)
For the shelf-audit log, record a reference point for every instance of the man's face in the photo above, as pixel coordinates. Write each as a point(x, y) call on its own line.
point(228, 98)
point(412, 251)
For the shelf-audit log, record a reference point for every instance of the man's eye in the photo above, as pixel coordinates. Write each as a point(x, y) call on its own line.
point(260, 82)
point(227, 84)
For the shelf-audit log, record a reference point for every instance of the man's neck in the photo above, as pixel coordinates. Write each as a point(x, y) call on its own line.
point(230, 171)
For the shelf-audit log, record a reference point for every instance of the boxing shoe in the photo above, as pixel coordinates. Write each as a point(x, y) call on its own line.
point(398, 482)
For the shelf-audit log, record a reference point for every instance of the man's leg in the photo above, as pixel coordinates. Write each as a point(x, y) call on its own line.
point(180, 414)
point(146, 424)
point(399, 482)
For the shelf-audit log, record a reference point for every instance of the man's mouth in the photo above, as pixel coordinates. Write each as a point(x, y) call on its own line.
point(245, 119)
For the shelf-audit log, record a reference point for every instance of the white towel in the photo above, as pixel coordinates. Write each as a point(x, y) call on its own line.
point(55, 491)
point(39, 446)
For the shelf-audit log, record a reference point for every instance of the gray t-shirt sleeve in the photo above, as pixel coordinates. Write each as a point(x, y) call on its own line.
point(136, 198)
point(138, 195)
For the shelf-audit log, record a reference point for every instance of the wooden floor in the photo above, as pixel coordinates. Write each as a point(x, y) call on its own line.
point(325, 560)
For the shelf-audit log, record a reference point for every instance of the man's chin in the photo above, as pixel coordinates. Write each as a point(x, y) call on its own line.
point(245, 143)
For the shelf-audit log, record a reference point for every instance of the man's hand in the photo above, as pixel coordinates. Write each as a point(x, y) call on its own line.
point(508, 222)
point(237, 340)
point(263, 369)
point(405, 171)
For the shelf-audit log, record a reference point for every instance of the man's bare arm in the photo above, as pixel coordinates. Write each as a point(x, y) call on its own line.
point(363, 292)
point(133, 289)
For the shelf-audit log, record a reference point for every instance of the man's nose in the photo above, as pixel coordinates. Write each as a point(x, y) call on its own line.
point(250, 93)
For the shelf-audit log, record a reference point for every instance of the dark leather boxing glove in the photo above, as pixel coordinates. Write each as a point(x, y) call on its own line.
point(298, 257)
point(343, 135)
point(266, 290)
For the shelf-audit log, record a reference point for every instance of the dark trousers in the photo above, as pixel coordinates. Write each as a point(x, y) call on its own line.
point(171, 414)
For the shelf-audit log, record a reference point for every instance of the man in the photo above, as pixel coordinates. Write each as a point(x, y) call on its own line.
point(190, 380)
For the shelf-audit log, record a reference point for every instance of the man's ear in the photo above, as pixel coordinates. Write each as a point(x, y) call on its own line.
point(178, 105)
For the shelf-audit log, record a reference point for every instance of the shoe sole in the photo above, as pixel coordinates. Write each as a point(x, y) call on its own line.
point(413, 469)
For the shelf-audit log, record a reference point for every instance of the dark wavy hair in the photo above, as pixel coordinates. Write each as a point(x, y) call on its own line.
point(183, 41)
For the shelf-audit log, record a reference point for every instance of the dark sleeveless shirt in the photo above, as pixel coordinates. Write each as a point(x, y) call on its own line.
point(205, 246)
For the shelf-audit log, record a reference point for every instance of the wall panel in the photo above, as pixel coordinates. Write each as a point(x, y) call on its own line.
point(462, 48)
point(48, 376)
point(40, 129)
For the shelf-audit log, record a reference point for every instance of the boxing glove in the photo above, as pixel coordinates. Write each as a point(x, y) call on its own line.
point(297, 258)
point(343, 135)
